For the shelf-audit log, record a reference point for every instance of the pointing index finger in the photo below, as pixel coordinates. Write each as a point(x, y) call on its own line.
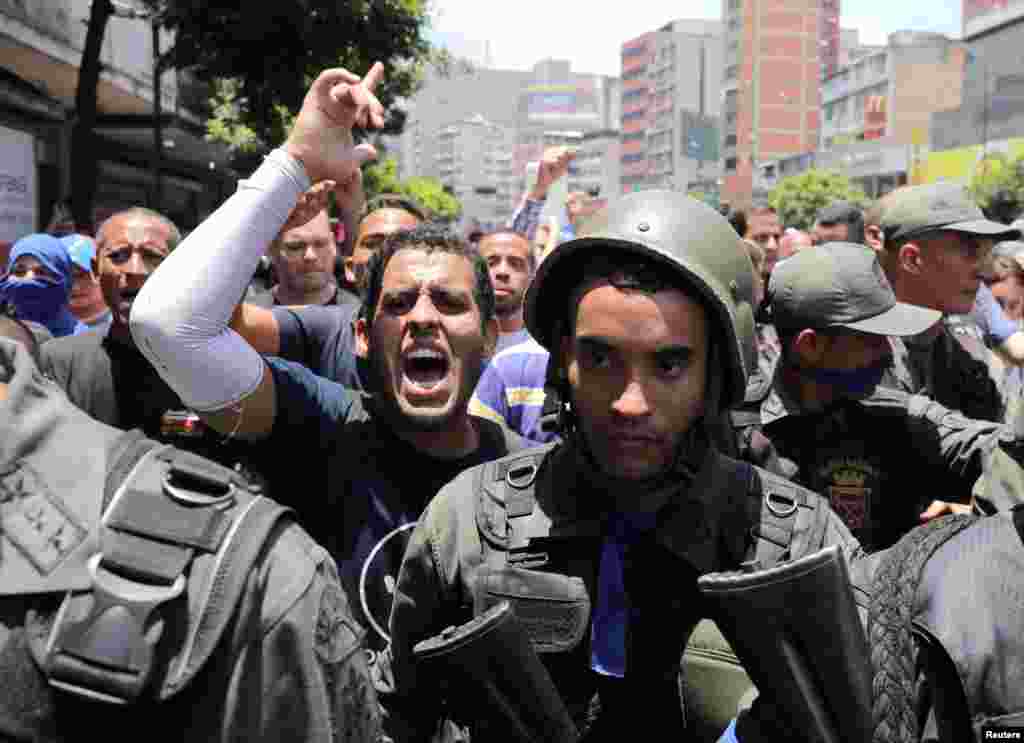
point(373, 77)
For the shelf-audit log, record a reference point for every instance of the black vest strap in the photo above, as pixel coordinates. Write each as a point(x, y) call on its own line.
point(164, 507)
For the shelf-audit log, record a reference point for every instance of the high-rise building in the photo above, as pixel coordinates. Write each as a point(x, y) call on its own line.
point(993, 90)
point(474, 162)
point(671, 81)
point(513, 115)
point(776, 54)
point(467, 92)
point(559, 107)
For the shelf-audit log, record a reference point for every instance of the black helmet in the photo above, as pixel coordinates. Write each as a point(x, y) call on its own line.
point(681, 235)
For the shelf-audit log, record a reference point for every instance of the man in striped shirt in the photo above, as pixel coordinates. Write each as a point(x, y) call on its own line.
point(511, 390)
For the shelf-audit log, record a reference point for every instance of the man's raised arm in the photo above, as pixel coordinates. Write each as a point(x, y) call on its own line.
point(180, 320)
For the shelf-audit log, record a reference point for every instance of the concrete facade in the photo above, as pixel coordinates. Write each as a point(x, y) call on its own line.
point(892, 93)
point(492, 94)
point(548, 105)
point(41, 45)
point(597, 166)
point(776, 53)
point(474, 159)
point(992, 107)
point(671, 81)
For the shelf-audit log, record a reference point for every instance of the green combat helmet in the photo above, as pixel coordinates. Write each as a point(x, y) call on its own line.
point(681, 235)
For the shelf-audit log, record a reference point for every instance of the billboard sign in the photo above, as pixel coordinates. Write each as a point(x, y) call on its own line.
point(17, 184)
point(579, 100)
point(975, 8)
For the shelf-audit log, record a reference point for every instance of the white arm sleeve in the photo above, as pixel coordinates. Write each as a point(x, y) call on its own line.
point(180, 318)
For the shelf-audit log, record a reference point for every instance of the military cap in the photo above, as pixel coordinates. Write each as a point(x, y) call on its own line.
point(839, 212)
point(841, 285)
point(915, 210)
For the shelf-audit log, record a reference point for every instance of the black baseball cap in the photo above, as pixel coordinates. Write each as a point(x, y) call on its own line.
point(840, 212)
point(841, 285)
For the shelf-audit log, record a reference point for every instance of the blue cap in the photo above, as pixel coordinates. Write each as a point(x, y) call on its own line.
point(81, 249)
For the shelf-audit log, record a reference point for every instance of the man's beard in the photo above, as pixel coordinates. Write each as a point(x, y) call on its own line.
point(385, 394)
point(510, 305)
point(312, 282)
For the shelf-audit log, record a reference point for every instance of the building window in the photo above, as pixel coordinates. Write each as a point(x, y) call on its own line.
point(633, 158)
point(730, 140)
point(730, 165)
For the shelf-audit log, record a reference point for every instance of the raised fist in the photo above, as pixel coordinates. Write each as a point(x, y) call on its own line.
point(554, 165)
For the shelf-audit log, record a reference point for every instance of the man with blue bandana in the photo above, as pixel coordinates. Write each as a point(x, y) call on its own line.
point(820, 417)
point(38, 283)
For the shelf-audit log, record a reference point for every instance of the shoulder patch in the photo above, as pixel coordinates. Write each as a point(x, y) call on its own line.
point(36, 521)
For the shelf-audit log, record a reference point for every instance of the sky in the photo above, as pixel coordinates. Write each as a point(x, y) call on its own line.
point(590, 33)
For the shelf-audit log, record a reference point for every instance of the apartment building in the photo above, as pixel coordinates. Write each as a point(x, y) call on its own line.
point(474, 162)
point(671, 80)
point(776, 54)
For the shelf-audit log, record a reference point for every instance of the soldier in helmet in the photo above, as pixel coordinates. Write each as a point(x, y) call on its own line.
point(598, 541)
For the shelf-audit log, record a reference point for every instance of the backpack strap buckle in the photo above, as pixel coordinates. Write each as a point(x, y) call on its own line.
point(108, 655)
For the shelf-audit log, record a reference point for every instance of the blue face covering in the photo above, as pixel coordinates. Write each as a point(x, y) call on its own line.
point(41, 300)
point(854, 384)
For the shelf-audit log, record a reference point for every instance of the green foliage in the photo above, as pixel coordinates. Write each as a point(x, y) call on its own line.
point(998, 186)
point(225, 121)
point(382, 178)
point(799, 198)
point(270, 53)
point(430, 193)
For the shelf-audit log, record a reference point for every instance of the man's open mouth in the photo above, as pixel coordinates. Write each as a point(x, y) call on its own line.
point(426, 368)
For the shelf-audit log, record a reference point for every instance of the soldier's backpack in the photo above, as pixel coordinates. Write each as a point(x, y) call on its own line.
point(139, 620)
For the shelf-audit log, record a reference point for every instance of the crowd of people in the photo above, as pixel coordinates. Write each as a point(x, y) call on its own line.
point(245, 506)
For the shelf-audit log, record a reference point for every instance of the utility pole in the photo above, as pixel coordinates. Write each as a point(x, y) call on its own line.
point(158, 124)
point(122, 10)
point(984, 111)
